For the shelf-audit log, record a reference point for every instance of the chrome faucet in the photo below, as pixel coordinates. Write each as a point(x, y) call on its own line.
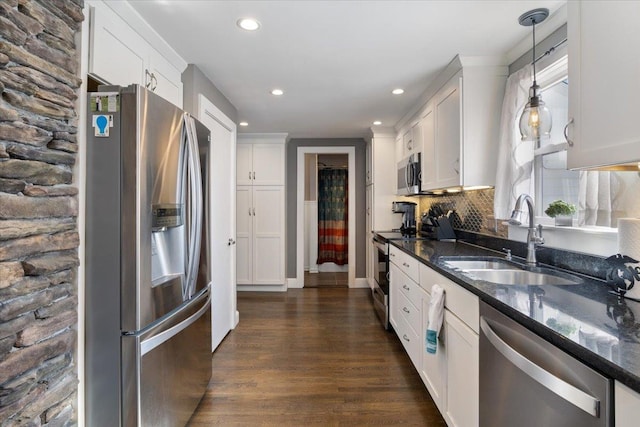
point(534, 236)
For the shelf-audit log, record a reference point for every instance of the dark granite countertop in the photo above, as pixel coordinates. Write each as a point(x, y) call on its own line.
point(585, 320)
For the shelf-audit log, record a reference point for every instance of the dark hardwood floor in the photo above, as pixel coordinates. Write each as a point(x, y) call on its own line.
point(322, 280)
point(313, 357)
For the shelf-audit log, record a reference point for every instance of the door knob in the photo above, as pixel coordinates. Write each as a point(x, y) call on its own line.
point(231, 242)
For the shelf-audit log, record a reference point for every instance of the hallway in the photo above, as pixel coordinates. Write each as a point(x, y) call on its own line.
point(313, 357)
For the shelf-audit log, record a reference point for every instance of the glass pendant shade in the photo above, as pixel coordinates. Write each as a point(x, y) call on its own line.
point(535, 121)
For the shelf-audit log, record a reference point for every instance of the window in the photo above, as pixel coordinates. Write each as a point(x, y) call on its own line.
point(552, 179)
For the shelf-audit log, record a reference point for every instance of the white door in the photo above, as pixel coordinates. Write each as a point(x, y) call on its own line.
point(222, 218)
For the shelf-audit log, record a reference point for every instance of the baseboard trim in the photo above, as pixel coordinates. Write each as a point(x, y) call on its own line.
point(261, 288)
point(361, 282)
point(293, 283)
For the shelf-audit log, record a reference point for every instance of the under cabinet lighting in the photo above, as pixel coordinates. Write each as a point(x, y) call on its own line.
point(377, 123)
point(277, 92)
point(243, 124)
point(397, 91)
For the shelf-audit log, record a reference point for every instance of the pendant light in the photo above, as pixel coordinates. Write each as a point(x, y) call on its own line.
point(535, 121)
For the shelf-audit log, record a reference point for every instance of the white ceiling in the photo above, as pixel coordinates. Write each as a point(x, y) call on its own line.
point(337, 61)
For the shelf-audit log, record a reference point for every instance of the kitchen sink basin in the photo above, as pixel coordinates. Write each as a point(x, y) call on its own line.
point(504, 272)
point(478, 263)
point(523, 277)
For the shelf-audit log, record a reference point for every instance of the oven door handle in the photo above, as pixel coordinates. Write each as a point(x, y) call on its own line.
point(563, 389)
point(382, 247)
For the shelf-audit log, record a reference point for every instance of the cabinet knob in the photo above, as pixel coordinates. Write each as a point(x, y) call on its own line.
point(249, 174)
point(406, 310)
point(405, 287)
point(406, 338)
point(254, 175)
point(405, 264)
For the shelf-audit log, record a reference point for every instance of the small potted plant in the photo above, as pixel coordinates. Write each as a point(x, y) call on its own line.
point(561, 211)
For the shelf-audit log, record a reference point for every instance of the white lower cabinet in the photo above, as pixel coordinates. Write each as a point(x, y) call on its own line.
point(627, 406)
point(260, 235)
point(462, 374)
point(434, 366)
point(451, 374)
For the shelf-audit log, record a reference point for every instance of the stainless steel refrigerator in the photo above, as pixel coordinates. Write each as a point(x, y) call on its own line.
point(148, 320)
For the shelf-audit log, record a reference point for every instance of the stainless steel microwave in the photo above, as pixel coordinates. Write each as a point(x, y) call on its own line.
point(409, 175)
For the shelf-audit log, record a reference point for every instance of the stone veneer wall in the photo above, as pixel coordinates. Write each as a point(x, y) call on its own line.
point(39, 67)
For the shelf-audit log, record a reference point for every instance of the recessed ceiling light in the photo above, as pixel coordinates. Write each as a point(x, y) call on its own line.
point(243, 124)
point(397, 91)
point(377, 123)
point(248, 24)
point(277, 92)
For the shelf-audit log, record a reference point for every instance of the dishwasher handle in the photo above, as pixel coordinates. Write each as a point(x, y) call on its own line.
point(563, 389)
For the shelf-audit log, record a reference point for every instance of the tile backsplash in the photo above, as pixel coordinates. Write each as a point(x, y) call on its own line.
point(474, 211)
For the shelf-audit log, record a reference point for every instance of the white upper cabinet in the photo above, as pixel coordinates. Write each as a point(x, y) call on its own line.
point(119, 55)
point(459, 124)
point(604, 41)
point(259, 163)
point(428, 160)
point(382, 171)
point(447, 137)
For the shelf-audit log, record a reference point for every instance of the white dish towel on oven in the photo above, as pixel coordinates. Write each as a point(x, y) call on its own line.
point(435, 319)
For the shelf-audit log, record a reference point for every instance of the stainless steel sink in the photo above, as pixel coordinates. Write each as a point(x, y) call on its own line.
point(504, 272)
point(523, 277)
point(478, 263)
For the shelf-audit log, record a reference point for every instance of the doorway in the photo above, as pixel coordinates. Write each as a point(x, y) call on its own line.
point(301, 242)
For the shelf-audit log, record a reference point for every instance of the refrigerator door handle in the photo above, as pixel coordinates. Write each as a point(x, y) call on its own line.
point(195, 200)
point(154, 341)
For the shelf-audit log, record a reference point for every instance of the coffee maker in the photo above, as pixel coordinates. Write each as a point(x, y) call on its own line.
point(408, 211)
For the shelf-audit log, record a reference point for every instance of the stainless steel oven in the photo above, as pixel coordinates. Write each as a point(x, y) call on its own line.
point(380, 289)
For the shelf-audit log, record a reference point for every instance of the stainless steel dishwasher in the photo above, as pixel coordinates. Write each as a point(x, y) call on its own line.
point(527, 382)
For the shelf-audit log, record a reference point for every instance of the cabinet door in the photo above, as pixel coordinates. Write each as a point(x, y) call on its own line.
point(117, 54)
point(368, 228)
point(244, 228)
point(604, 38)
point(399, 151)
point(369, 163)
point(627, 406)
point(427, 124)
point(462, 395)
point(268, 235)
point(395, 278)
point(434, 366)
point(407, 143)
point(448, 134)
point(417, 138)
point(268, 164)
point(244, 167)
point(167, 80)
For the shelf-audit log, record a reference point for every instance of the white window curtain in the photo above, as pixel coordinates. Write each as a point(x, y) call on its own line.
point(598, 199)
point(515, 157)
